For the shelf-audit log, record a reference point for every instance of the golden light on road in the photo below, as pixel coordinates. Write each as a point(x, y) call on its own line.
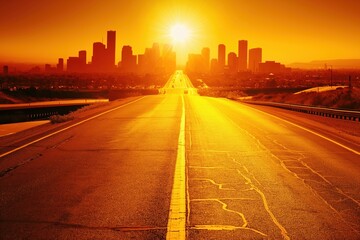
point(180, 33)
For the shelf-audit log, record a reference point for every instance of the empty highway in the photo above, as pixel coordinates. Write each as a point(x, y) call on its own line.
point(181, 166)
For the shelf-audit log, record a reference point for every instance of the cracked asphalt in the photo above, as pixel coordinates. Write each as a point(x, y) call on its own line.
point(249, 175)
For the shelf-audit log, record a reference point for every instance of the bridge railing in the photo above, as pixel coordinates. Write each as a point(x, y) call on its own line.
point(326, 112)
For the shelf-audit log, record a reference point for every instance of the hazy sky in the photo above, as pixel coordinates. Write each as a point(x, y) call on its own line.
point(287, 30)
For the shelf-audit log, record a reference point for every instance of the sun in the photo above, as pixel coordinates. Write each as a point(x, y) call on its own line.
point(180, 33)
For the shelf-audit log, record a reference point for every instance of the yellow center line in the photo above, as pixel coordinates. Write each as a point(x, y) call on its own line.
point(177, 213)
point(64, 129)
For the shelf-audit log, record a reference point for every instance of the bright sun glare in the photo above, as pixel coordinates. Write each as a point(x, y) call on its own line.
point(180, 33)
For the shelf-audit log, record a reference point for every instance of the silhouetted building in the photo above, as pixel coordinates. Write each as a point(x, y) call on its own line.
point(60, 65)
point(98, 62)
point(205, 53)
point(77, 64)
point(214, 66)
point(141, 63)
point(199, 63)
point(272, 67)
point(103, 59)
point(82, 57)
point(232, 62)
point(128, 60)
point(255, 58)
point(155, 61)
point(5, 70)
point(221, 57)
point(82, 61)
point(48, 68)
point(73, 64)
point(242, 55)
point(195, 63)
point(111, 48)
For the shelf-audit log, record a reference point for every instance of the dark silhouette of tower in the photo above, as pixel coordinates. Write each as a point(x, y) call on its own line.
point(103, 59)
point(221, 57)
point(128, 60)
point(255, 58)
point(232, 62)
point(60, 65)
point(111, 48)
point(242, 55)
point(99, 62)
point(5, 70)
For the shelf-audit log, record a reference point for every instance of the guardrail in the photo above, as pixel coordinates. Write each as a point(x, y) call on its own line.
point(35, 113)
point(326, 112)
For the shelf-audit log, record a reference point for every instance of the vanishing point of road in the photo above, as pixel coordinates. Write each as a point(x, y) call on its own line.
point(181, 166)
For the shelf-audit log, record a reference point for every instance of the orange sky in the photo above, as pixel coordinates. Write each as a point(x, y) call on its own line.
point(288, 31)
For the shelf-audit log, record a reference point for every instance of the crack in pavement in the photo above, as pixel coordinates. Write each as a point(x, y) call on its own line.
point(12, 168)
point(225, 208)
point(219, 185)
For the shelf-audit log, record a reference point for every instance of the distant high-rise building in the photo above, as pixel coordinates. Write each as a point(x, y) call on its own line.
point(214, 65)
point(242, 55)
point(272, 67)
point(76, 64)
point(48, 68)
point(221, 57)
point(111, 48)
point(98, 61)
point(82, 56)
point(255, 58)
point(194, 64)
point(128, 60)
point(73, 64)
point(5, 70)
point(60, 65)
point(103, 59)
point(232, 62)
point(205, 53)
point(82, 61)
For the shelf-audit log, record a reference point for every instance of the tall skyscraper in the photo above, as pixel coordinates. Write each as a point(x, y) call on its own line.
point(99, 63)
point(60, 65)
point(242, 55)
point(128, 60)
point(255, 58)
point(82, 56)
point(221, 57)
point(5, 70)
point(232, 62)
point(111, 45)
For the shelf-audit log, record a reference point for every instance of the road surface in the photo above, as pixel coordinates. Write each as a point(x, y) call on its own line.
point(180, 166)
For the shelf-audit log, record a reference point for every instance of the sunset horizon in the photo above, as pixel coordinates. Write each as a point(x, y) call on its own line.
point(301, 31)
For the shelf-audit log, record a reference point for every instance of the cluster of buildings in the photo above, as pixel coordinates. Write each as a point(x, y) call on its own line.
point(244, 61)
point(157, 59)
point(162, 59)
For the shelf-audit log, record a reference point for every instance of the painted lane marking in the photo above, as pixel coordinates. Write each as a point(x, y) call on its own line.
point(71, 126)
point(177, 213)
point(310, 131)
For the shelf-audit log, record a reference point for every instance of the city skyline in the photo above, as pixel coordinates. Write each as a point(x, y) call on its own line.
point(41, 32)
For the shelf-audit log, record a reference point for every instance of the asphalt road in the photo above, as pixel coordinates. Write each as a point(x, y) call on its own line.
point(239, 173)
